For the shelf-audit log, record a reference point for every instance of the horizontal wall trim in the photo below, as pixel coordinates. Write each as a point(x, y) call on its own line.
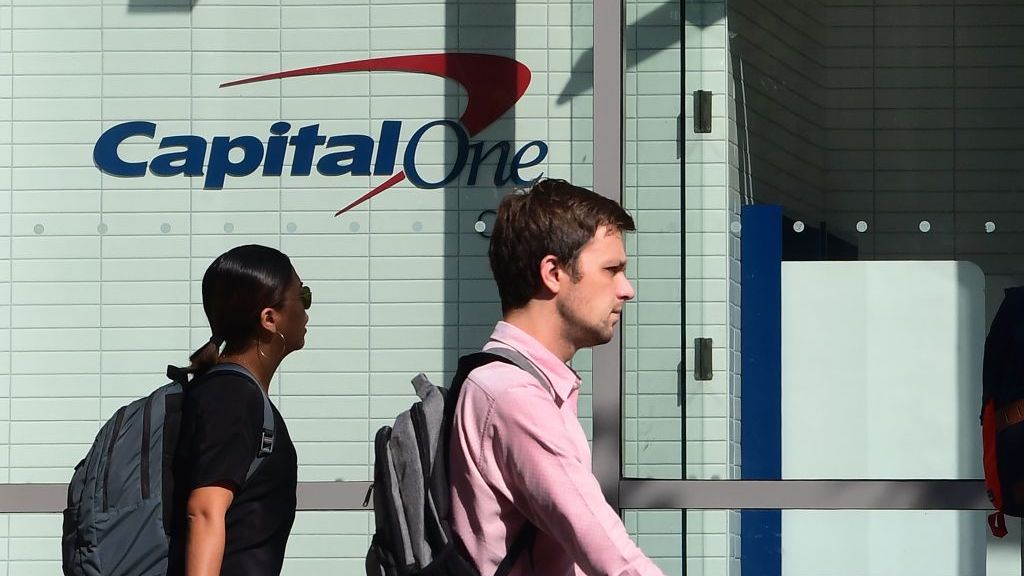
point(804, 494)
point(46, 498)
point(641, 495)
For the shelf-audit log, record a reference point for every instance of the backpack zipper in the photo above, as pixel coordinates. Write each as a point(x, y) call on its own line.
point(389, 511)
point(118, 421)
point(419, 426)
point(147, 417)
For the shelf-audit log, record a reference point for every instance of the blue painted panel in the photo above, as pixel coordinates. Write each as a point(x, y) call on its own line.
point(761, 395)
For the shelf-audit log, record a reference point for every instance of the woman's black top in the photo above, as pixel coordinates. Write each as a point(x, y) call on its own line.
point(221, 427)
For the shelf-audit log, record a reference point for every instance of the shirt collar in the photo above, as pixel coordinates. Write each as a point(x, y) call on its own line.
point(563, 378)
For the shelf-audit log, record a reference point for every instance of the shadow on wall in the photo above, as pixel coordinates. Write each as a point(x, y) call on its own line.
point(470, 296)
point(660, 31)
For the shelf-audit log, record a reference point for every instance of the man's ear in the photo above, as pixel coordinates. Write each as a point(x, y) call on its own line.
point(550, 273)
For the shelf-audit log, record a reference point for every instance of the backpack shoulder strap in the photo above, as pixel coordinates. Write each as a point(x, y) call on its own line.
point(467, 364)
point(523, 363)
point(471, 362)
point(267, 437)
point(525, 539)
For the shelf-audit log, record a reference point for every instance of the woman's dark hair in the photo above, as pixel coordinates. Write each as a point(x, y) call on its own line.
point(554, 218)
point(236, 286)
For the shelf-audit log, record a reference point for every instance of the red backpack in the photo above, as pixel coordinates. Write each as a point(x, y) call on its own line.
point(1002, 411)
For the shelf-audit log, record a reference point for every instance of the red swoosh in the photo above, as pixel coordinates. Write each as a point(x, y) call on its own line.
point(484, 76)
point(388, 184)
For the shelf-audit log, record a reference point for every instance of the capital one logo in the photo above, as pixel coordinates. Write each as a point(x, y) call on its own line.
point(493, 85)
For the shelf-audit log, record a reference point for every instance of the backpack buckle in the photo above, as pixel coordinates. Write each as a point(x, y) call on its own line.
point(997, 524)
point(266, 444)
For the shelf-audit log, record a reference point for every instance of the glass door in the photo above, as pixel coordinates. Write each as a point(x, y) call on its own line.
point(841, 230)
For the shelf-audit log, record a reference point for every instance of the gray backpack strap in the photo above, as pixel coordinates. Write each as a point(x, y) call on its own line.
point(267, 437)
point(523, 363)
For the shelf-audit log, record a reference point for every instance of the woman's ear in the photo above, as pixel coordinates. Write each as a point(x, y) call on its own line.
point(268, 319)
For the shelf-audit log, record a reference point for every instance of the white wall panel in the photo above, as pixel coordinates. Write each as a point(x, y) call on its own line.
point(101, 273)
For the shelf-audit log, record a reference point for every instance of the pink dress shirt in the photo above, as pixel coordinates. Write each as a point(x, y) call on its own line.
point(519, 452)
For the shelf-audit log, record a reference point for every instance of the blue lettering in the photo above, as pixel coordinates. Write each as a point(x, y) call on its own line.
point(357, 160)
point(305, 142)
point(104, 154)
point(220, 160)
point(387, 148)
point(414, 142)
point(499, 170)
point(356, 154)
point(188, 162)
point(517, 161)
point(274, 162)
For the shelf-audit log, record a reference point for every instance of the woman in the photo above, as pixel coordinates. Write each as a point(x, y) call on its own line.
point(223, 523)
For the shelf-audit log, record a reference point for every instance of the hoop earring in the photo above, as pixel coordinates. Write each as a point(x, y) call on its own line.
point(259, 351)
point(284, 343)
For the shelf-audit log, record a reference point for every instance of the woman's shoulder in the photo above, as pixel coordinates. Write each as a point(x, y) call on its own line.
point(224, 385)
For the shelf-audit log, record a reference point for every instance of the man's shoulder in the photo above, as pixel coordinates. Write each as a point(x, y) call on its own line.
point(502, 381)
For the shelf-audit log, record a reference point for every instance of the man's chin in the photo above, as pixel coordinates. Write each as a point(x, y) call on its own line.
point(605, 336)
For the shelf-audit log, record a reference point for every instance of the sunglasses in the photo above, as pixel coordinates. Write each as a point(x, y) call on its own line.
point(305, 296)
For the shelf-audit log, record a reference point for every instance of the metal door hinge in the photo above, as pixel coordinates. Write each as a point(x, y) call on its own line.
point(702, 366)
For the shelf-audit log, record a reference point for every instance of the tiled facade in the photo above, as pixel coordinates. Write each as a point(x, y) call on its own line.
point(99, 275)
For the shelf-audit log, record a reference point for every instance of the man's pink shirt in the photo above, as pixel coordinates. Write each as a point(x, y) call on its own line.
point(519, 452)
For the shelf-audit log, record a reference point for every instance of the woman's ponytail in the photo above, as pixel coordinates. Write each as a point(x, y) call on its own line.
point(204, 358)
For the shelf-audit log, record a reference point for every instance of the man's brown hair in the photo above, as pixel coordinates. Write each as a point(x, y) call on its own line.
point(555, 218)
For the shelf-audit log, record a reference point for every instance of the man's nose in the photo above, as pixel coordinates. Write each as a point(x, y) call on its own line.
point(626, 291)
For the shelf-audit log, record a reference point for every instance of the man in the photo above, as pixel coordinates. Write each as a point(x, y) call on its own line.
point(518, 451)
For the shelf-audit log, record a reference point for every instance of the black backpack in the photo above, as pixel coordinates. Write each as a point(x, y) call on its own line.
point(411, 492)
point(1002, 412)
point(118, 519)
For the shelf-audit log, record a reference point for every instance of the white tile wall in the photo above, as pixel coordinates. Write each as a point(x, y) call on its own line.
point(6, 292)
point(100, 275)
point(658, 431)
point(652, 325)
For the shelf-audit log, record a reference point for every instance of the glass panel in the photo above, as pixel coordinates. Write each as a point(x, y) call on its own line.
point(816, 542)
point(874, 150)
point(655, 445)
point(659, 533)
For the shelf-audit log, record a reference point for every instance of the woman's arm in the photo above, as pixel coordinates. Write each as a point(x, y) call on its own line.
point(207, 507)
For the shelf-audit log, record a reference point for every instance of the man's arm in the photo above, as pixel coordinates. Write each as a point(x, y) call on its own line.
point(555, 490)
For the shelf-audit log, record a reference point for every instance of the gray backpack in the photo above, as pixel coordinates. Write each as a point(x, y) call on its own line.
point(411, 492)
point(118, 518)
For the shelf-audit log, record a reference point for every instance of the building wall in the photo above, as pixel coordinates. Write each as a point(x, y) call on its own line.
point(100, 275)
point(656, 444)
point(711, 293)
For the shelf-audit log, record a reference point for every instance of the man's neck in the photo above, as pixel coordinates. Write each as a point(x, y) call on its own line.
point(542, 322)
